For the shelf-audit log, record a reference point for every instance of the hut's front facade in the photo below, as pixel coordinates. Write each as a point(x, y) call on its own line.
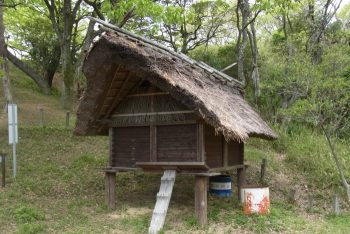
point(164, 111)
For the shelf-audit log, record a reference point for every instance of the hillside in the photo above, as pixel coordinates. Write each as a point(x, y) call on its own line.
point(60, 190)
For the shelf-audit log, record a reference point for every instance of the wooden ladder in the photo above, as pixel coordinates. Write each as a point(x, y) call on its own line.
point(163, 200)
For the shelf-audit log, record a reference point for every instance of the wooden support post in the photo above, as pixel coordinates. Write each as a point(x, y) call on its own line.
point(42, 117)
point(110, 190)
point(292, 196)
point(67, 119)
point(336, 205)
point(240, 180)
point(201, 187)
point(3, 170)
point(263, 170)
point(310, 202)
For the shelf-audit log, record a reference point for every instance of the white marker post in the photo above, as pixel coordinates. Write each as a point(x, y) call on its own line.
point(13, 132)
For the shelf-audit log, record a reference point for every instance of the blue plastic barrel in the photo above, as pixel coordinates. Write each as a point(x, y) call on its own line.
point(220, 186)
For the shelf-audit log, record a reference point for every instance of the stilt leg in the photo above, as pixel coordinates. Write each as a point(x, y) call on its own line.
point(240, 180)
point(110, 190)
point(201, 199)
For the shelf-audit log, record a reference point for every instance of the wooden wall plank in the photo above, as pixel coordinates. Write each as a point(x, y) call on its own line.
point(111, 145)
point(130, 145)
point(235, 153)
point(153, 143)
point(213, 147)
point(201, 143)
point(225, 152)
point(176, 143)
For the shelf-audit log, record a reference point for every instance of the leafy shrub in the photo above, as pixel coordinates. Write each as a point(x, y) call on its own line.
point(31, 228)
point(28, 214)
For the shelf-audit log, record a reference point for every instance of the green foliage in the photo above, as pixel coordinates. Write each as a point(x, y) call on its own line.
point(268, 223)
point(31, 228)
point(192, 222)
point(32, 34)
point(220, 57)
point(28, 214)
point(307, 152)
point(143, 8)
point(327, 102)
point(137, 225)
point(183, 25)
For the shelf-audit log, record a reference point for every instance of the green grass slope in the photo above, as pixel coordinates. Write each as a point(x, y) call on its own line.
point(59, 189)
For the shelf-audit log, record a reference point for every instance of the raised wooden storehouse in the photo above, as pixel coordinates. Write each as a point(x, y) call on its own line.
point(164, 111)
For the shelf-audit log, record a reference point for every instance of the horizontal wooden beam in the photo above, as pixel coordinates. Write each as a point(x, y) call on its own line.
point(193, 166)
point(207, 174)
point(148, 94)
point(118, 169)
point(146, 124)
point(154, 113)
point(219, 169)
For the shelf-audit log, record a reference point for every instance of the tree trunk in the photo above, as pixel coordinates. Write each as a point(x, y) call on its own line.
point(255, 72)
point(78, 76)
point(39, 80)
point(3, 55)
point(66, 56)
point(243, 7)
point(53, 65)
point(68, 74)
point(337, 163)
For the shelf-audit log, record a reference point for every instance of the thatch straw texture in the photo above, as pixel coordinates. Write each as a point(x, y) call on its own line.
point(219, 102)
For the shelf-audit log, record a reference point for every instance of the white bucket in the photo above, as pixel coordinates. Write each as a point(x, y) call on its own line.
point(256, 200)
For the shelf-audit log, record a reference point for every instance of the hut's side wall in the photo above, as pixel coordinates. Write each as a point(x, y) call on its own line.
point(235, 153)
point(174, 143)
point(130, 145)
point(177, 143)
point(148, 105)
point(213, 147)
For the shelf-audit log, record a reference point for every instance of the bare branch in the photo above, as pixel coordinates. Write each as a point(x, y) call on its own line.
point(127, 16)
point(96, 8)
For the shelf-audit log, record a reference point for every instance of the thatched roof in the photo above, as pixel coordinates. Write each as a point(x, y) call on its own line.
point(216, 98)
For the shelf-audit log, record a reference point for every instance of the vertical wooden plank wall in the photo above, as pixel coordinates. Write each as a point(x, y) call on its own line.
point(201, 143)
point(153, 143)
point(213, 147)
point(111, 145)
point(225, 152)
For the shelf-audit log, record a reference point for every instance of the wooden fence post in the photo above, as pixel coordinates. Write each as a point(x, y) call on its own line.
point(291, 196)
point(263, 170)
point(67, 119)
point(3, 160)
point(310, 202)
point(42, 117)
point(336, 205)
point(201, 209)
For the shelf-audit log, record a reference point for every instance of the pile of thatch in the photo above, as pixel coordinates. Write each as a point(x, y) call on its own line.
point(218, 101)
